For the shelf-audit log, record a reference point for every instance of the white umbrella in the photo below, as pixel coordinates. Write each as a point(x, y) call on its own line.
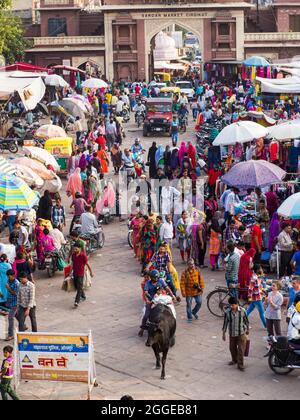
point(240, 132)
point(290, 208)
point(285, 131)
point(94, 84)
point(49, 131)
point(56, 80)
point(29, 176)
point(42, 155)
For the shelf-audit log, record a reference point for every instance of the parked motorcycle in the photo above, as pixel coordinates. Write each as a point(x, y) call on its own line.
point(283, 356)
point(8, 144)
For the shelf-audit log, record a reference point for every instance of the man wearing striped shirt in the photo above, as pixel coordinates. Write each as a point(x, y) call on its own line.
point(232, 268)
point(237, 323)
point(26, 305)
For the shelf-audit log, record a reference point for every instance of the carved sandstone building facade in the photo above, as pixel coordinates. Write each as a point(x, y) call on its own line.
point(118, 34)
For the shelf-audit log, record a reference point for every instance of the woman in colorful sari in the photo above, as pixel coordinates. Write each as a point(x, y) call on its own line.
point(245, 272)
point(149, 238)
point(83, 162)
point(108, 199)
point(75, 183)
point(215, 240)
point(39, 234)
point(273, 231)
point(181, 152)
point(103, 157)
point(93, 189)
point(136, 224)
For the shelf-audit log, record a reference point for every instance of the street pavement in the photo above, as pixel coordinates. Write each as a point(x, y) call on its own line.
point(197, 365)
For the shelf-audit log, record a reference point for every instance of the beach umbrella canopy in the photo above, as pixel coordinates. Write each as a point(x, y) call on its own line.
point(256, 61)
point(85, 101)
point(42, 155)
point(94, 84)
point(290, 208)
point(29, 176)
point(56, 81)
point(285, 131)
point(240, 132)
point(74, 107)
point(49, 131)
point(15, 194)
point(253, 173)
point(56, 106)
point(6, 168)
point(36, 166)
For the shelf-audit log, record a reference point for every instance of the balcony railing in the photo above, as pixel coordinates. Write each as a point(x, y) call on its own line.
point(68, 41)
point(272, 36)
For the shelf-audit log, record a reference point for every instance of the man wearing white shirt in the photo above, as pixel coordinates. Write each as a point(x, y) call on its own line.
point(168, 197)
point(120, 106)
point(58, 238)
point(231, 201)
point(167, 231)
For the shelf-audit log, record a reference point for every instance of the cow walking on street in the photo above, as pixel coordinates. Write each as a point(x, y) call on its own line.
point(161, 334)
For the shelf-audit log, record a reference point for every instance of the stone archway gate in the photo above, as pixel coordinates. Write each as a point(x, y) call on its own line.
point(202, 20)
point(156, 24)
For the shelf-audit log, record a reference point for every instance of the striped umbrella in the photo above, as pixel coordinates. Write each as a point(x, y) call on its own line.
point(6, 168)
point(15, 194)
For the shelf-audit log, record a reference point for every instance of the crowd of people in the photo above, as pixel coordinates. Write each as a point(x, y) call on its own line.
point(204, 221)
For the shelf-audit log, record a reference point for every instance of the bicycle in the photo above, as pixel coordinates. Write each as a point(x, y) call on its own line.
point(217, 300)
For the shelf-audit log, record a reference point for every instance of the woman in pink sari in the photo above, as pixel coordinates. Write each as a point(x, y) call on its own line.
point(75, 184)
point(136, 224)
point(182, 151)
point(108, 199)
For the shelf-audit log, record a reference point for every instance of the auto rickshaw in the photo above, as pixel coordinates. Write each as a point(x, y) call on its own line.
point(61, 149)
point(169, 92)
point(164, 77)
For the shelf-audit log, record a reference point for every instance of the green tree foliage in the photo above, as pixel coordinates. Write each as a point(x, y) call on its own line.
point(12, 41)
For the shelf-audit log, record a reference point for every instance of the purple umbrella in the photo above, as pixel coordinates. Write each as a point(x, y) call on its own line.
point(254, 173)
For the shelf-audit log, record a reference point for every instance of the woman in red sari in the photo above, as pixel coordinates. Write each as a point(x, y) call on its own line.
point(245, 272)
point(192, 154)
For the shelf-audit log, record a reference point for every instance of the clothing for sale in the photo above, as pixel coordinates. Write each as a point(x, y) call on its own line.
point(293, 154)
point(214, 156)
point(274, 150)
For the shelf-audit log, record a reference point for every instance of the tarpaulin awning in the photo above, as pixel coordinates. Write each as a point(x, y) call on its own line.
point(287, 85)
point(30, 90)
point(169, 66)
point(69, 68)
point(25, 67)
